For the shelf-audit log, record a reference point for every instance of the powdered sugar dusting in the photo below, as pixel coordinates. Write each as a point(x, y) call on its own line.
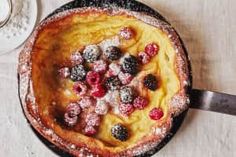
point(67, 92)
point(159, 131)
point(116, 110)
point(144, 148)
point(113, 98)
point(72, 146)
point(114, 41)
point(48, 132)
point(179, 103)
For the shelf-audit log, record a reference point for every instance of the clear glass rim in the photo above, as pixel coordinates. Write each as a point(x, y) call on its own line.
point(7, 18)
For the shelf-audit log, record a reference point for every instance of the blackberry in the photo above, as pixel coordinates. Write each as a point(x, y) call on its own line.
point(119, 132)
point(91, 53)
point(78, 73)
point(113, 83)
point(126, 94)
point(150, 81)
point(130, 64)
point(112, 53)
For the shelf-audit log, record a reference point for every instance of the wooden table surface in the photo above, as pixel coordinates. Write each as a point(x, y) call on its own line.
point(208, 29)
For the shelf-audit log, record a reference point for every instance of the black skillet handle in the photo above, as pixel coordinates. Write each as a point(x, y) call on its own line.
point(213, 101)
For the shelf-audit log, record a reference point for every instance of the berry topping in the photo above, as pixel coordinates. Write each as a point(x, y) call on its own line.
point(156, 113)
point(114, 69)
point(93, 78)
point(130, 64)
point(150, 81)
point(64, 72)
point(113, 83)
point(127, 33)
point(98, 91)
point(92, 119)
point(101, 107)
point(70, 121)
point(120, 132)
point(85, 102)
point(126, 109)
point(100, 66)
point(76, 58)
point(140, 102)
point(126, 94)
point(73, 109)
point(89, 130)
point(125, 78)
point(152, 49)
point(112, 53)
point(113, 97)
point(91, 53)
point(80, 88)
point(144, 58)
point(78, 73)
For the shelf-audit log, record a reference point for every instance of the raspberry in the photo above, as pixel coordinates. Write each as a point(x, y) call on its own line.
point(140, 102)
point(150, 81)
point(76, 58)
point(78, 73)
point(91, 53)
point(156, 113)
point(80, 88)
point(126, 109)
point(152, 49)
point(92, 119)
point(90, 130)
point(144, 57)
point(98, 91)
point(125, 78)
point(127, 33)
point(114, 69)
point(64, 72)
point(119, 132)
point(101, 107)
point(130, 64)
point(100, 66)
point(112, 53)
point(85, 102)
point(113, 83)
point(93, 78)
point(70, 121)
point(73, 109)
point(126, 94)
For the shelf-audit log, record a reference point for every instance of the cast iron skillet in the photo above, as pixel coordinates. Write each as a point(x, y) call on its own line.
point(131, 5)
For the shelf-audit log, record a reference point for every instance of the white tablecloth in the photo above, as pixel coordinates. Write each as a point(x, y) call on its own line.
point(208, 29)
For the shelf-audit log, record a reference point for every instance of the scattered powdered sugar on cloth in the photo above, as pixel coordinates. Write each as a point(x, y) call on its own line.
point(19, 20)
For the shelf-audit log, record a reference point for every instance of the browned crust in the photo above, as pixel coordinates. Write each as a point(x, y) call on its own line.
point(178, 104)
